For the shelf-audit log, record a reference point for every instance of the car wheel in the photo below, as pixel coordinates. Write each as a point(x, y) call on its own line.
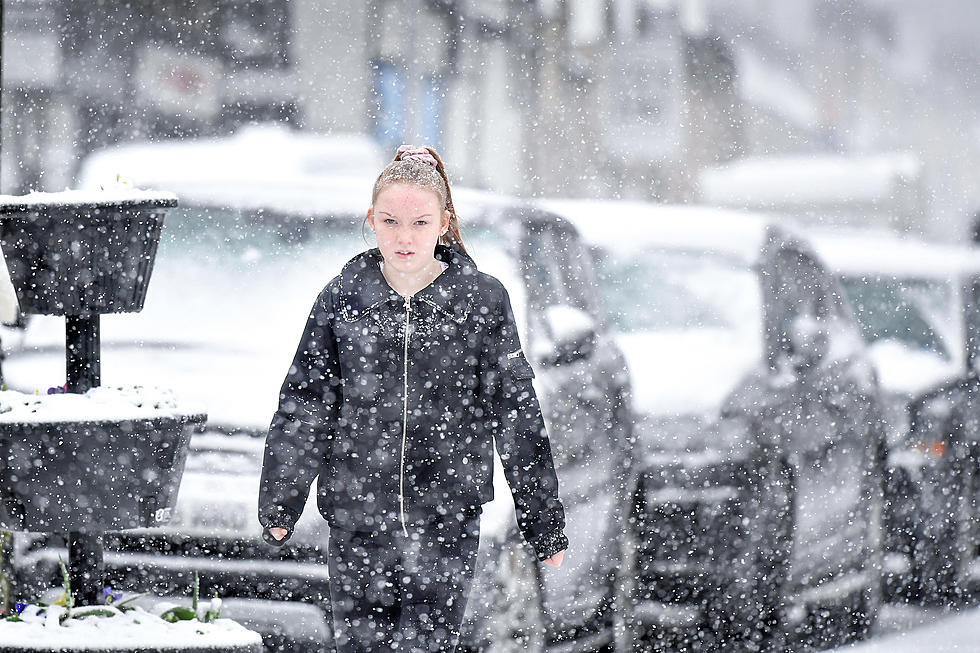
point(516, 602)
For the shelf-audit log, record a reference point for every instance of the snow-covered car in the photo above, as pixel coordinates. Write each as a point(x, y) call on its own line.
point(917, 305)
point(239, 263)
point(755, 506)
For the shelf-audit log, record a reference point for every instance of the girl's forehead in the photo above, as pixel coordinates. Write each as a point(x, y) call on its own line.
point(407, 197)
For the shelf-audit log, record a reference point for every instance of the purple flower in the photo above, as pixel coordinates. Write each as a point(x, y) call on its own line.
point(19, 607)
point(61, 389)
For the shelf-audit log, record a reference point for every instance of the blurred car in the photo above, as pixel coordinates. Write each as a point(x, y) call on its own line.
point(754, 517)
point(916, 303)
point(239, 263)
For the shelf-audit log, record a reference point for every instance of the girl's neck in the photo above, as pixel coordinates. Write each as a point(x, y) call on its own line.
point(408, 285)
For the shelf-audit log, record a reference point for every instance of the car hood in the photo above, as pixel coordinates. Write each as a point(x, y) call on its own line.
point(907, 372)
point(689, 372)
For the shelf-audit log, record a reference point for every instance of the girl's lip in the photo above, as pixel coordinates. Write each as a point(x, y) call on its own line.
point(404, 253)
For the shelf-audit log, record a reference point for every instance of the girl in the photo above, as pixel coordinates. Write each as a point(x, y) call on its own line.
point(409, 367)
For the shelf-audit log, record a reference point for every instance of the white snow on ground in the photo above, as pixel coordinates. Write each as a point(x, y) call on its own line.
point(957, 633)
point(131, 628)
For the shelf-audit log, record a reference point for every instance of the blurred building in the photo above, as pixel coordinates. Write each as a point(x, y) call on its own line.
point(608, 98)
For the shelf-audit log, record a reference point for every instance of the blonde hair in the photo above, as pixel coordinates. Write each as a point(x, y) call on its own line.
point(423, 175)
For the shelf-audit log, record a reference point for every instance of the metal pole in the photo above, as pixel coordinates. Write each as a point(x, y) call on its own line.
point(82, 352)
point(84, 371)
point(85, 567)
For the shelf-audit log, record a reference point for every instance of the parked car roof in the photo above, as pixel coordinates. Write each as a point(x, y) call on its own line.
point(619, 224)
point(254, 152)
point(879, 251)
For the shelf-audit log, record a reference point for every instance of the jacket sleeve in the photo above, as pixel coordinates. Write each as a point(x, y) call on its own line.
point(521, 436)
point(301, 429)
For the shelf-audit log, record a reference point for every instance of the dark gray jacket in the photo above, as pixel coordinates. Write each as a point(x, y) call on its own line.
point(395, 403)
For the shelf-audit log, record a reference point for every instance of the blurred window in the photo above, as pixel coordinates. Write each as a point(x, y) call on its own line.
point(671, 290)
point(560, 269)
point(908, 311)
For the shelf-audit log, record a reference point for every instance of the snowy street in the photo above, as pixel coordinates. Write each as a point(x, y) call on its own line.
point(911, 629)
point(538, 326)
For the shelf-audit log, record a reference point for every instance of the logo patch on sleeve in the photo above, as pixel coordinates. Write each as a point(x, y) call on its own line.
point(514, 354)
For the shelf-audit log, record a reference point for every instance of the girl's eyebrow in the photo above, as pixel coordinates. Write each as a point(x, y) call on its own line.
point(424, 215)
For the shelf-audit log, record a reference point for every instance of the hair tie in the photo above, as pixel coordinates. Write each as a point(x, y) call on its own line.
point(410, 152)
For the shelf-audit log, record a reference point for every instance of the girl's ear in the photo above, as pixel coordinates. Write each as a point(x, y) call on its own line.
point(370, 218)
point(446, 215)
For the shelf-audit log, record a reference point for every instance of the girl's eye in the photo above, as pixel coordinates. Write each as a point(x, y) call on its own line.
point(421, 222)
point(389, 221)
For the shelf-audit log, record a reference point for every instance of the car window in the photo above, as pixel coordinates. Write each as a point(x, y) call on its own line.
point(559, 268)
point(672, 290)
point(903, 311)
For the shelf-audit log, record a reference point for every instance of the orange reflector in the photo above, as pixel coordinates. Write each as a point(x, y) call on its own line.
point(936, 449)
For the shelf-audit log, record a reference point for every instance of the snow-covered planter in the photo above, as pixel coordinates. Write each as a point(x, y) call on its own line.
point(109, 459)
point(98, 629)
point(118, 626)
point(78, 252)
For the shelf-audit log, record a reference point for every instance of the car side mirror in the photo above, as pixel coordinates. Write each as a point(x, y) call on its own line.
point(572, 333)
point(809, 342)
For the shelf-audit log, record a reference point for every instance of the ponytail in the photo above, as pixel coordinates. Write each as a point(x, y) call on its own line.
point(452, 237)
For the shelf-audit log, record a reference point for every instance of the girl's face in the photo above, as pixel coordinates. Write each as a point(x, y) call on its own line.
point(408, 221)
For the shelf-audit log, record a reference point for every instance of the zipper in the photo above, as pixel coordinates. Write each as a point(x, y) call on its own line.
point(401, 474)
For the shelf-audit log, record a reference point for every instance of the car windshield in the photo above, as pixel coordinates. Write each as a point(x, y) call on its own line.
point(916, 314)
point(671, 290)
point(263, 270)
point(689, 324)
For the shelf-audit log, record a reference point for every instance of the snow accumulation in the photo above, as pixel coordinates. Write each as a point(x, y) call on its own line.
point(624, 225)
point(98, 404)
point(41, 629)
point(805, 180)
point(305, 173)
point(686, 371)
point(120, 194)
point(907, 371)
point(955, 634)
point(881, 252)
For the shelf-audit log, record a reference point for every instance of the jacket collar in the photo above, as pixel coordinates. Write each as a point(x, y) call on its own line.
point(363, 287)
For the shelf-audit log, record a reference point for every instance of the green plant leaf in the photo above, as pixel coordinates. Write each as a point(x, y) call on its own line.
point(126, 600)
point(93, 612)
point(178, 613)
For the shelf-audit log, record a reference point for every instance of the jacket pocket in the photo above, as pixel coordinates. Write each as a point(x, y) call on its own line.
point(515, 365)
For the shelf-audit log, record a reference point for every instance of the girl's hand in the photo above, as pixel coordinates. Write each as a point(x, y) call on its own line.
point(555, 560)
point(278, 533)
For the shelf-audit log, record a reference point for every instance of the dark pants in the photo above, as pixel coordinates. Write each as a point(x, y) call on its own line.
point(390, 592)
